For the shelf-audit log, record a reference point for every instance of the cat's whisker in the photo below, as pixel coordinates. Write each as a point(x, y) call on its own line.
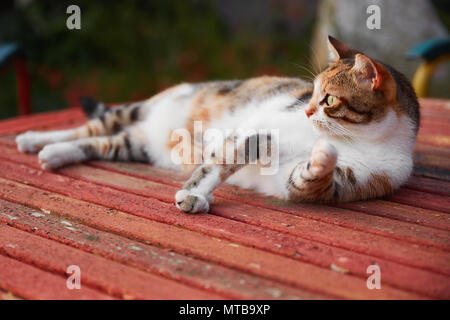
point(317, 66)
point(338, 130)
point(313, 66)
point(305, 69)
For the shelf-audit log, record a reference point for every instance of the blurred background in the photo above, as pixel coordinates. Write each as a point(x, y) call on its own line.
point(129, 50)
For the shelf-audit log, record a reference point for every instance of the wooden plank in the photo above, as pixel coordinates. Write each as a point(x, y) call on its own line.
point(440, 152)
point(434, 133)
point(289, 224)
point(369, 223)
point(438, 140)
point(326, 233)
point(41, 120)
point(430, 185)
point(434, 109)
point(227, 253)
point(108, 276)
point(422, 200)
point(434, 117)
point(186, 270)
point(8, 295)
point(431, 126)
point(299, 249)
point(401, 212)
point(101, 183)
point(431, 160)
point(390, 210)
point(353, 220)
point(430, 172)
point(327, 214)
point(32, 283)
point(192, 271)
point(440, 106)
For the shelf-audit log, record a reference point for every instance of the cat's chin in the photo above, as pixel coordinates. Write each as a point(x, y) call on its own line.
point(323, 131)
point(320, 128)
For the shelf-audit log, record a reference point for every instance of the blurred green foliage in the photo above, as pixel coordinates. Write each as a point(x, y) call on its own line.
point(129, 50)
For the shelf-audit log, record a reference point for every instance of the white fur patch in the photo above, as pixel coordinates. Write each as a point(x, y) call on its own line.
point(199, 204)
point(59, 154)
point(166, 114)
point(323, 158)
point(32, 141)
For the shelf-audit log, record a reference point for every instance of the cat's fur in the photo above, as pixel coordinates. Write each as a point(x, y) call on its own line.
point(347, 136)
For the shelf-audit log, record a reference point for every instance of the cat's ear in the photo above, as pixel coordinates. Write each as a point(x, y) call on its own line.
point(338, 50)
point(370, 72)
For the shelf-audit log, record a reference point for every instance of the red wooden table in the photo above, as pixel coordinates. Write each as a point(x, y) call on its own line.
point(117, 223)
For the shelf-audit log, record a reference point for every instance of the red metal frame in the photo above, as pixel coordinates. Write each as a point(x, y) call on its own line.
point(23, 86)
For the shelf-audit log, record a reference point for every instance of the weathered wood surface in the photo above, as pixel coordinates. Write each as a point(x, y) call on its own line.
point(116, 221)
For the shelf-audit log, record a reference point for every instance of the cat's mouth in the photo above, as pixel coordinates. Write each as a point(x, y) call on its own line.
point(321, 127)
point(331, 129)
point(320, 124)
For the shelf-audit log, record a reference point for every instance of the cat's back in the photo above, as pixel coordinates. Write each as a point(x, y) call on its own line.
point(216, 97)
point(208, 101)
point(215, 104)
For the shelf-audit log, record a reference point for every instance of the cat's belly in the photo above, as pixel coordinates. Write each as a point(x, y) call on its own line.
point(291, 131)
point(166, 115)
point(292, 139)
point(251, 177)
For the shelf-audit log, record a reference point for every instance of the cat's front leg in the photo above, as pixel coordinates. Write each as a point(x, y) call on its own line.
point(195, 195)
point(192, 202)
point(313, 180)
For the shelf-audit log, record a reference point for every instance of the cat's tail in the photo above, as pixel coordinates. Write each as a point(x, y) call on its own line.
point(92, 108)
point(116, 117)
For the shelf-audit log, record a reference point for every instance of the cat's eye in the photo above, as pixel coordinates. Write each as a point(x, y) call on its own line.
point(331, 100)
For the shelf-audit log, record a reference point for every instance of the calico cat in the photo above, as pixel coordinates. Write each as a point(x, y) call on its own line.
point(347, 136)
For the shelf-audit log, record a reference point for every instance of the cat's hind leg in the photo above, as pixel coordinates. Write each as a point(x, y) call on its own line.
point(33, 141)
point(123, 146)
point(103, 121)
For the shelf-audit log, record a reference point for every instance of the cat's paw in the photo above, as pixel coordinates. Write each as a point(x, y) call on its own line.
point(189, 202)
point(55, 155)
point(323, 158)
point(30, 141)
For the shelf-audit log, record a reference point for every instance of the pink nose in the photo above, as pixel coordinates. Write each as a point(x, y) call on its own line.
point(310, 111)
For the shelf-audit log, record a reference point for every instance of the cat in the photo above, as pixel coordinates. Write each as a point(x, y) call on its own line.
point(347, 136)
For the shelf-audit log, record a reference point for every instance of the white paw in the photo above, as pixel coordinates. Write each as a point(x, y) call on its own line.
point(190, 202)
point(30, 141)
point(58, 154)
point(323, 158)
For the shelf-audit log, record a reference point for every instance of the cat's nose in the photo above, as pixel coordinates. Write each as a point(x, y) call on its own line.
point(310, 110)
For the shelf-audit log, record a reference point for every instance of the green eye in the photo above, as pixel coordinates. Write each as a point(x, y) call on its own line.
point(331, 100)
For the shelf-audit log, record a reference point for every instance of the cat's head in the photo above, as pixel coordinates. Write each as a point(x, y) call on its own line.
point(359, 97)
